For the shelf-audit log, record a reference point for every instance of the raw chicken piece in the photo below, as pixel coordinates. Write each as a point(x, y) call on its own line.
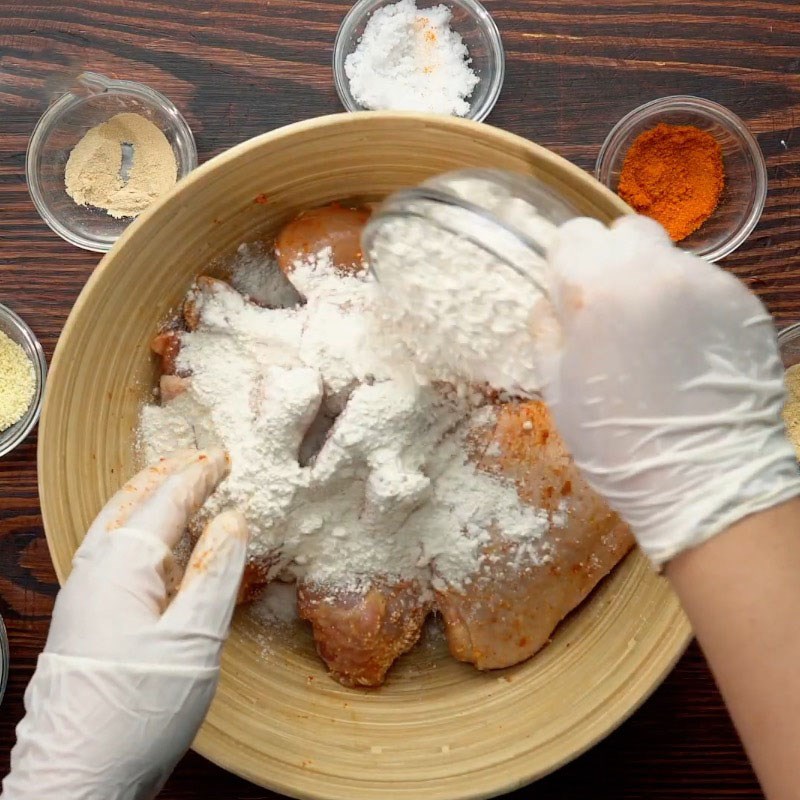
point(299, 388)
point(514, 602)
point(331, 226)
point(255, 579)
point(359, 636)
point(167, 345)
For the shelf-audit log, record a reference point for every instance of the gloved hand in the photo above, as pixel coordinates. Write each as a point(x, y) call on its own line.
point(664, 377)
point(126, 677)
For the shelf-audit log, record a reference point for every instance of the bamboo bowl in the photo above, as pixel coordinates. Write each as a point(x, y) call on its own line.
point(437, 729)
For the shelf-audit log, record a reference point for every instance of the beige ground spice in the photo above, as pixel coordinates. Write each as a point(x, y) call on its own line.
point(791, 411)
point(93, 176)
point(17, 382)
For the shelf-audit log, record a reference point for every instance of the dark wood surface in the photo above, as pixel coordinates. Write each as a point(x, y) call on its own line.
point(237, 68)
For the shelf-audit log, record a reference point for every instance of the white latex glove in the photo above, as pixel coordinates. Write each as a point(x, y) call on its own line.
point(664, 377)
point(126, 679)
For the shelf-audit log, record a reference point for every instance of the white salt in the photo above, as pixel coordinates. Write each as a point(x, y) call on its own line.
point(409, 59)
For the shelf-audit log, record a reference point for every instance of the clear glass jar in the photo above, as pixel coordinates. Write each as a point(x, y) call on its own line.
point(461, 263)
point(510, 216)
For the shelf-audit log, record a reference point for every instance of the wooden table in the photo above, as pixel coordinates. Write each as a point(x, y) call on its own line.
point(237, 68)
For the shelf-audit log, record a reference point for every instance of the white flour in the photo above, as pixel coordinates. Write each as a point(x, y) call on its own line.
point(463, 313)
point(277, 606)
point(391, 491)
point(409, 59)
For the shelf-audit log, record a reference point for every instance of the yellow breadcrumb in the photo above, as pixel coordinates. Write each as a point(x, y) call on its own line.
point(791, 411)
point(17, 382)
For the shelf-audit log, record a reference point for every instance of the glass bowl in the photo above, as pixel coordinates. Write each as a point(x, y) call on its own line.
point(470, 19)
point(94, 100)
point(491, 208)
point(789, 344)
point(17, 330)
point(745, 170)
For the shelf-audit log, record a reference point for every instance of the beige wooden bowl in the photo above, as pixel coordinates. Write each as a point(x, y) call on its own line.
point(437, 729)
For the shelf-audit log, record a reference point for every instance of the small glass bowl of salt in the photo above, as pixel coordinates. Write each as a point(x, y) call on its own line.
point(405, 55)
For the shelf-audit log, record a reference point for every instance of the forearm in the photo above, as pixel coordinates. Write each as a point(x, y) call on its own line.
point(741, 591)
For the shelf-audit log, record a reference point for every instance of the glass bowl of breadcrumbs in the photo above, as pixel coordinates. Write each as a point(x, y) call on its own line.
point(23, 369)
point(789, 343)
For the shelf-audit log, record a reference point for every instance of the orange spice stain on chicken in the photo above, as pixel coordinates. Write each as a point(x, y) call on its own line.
point(334, 226)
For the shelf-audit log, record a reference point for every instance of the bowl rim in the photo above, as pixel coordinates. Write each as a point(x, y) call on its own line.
point(709, 109)
point(40, 368)
point(789, 333)
point(5, 659)
point(99, 84)
point(676, 638)
point(363, 8)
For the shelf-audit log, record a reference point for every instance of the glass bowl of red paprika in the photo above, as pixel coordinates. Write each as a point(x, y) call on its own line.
point(693, 165)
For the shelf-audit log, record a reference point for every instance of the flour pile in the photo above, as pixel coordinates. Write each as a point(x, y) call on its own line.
point(344, 465)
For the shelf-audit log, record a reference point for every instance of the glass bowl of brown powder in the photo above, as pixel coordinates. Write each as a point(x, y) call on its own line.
point(23, 369)
point(659, 159)
point(102, 153)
